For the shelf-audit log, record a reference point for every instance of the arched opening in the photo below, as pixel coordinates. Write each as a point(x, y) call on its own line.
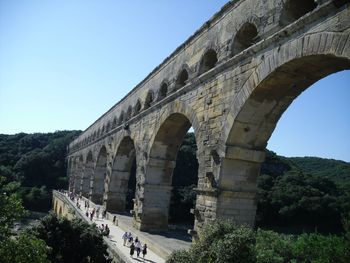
point(128, 113)
point(149, 99)
point(175, 187)
point(254, 124)
point(114, 123)
point(208, 62)
point(294, 9)
point(88, 175)
point(121, 118)
point(317, 124)
point(162, 91)
point(181, 79)
point(121, 188)
point(246, 36)
point(60, 212)
point(137, 108)
point(99, 177)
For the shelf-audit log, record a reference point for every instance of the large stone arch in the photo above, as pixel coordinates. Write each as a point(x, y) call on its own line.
point(87, 175)
point(180, 108)
point(275, 83)
point(99, 176)
point(121, 169)
point(164, 146)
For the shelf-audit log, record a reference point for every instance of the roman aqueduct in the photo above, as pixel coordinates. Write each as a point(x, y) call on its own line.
point(231, 81)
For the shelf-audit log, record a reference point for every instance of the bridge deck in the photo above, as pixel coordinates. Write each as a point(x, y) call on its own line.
point(160, 244)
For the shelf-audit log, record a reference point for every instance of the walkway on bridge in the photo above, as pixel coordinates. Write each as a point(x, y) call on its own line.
point(160, 245)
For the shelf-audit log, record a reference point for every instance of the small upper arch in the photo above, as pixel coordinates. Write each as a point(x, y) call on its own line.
point(128, 113)
point(163, 90)
point(208, 61)
point(246, 36)
point(294, 9)
point(89, 157)
point(182, 77)
point(137, 108)
point(121, 118)
point(149, 99)
point(114, 123)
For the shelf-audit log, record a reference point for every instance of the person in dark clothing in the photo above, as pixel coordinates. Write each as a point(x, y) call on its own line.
point(132, 249)
point(144, 250)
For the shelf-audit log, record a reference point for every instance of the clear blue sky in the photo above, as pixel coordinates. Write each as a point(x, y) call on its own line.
point(64, 63)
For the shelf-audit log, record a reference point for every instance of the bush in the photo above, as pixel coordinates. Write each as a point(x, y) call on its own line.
point(319, 248)
point(72, 241)
point(25, 248)
point(272, 247)
point(222, 241)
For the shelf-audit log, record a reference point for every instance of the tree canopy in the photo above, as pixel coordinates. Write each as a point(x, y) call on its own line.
point(72, 241)
point(37, 162)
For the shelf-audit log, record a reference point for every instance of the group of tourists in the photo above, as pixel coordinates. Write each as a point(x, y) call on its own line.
point(104, 230)
point(128, 240)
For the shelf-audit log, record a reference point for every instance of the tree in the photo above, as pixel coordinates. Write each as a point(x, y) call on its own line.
point(225, 242)
point(222, 241)
point(23, 249)
point(72, 241)
point(11, 208)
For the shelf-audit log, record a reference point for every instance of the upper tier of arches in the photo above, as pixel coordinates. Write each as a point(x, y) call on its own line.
point(246, 34)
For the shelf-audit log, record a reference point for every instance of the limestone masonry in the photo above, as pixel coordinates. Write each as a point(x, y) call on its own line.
point(231, 81)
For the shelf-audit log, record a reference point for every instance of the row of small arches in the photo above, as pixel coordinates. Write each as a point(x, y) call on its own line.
point(245, 37)
point(208, 62)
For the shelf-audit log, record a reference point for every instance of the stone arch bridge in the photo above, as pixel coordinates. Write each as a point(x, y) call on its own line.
point(231, 81)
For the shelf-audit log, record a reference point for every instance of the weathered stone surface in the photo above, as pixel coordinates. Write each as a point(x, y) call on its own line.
point(231, 81)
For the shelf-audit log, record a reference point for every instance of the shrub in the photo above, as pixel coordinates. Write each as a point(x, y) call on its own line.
point(222, 241)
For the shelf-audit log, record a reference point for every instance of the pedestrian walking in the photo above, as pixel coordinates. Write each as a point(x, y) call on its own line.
point(132, 249)
point(130, 239)
point(125, 238)
point(115, 221)
point(138, 247)
point(144, 250)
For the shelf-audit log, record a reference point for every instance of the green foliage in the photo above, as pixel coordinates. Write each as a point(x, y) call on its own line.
point(23, 249)
point(222, 241)
point(36, 199)
point(290, 194)
point(275, 248)
point(11, 208)
point(185, 179)
point(37, 162)
point(72, 241)
point(272, 247)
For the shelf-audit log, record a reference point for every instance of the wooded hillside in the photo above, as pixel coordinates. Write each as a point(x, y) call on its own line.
point(303, 192)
